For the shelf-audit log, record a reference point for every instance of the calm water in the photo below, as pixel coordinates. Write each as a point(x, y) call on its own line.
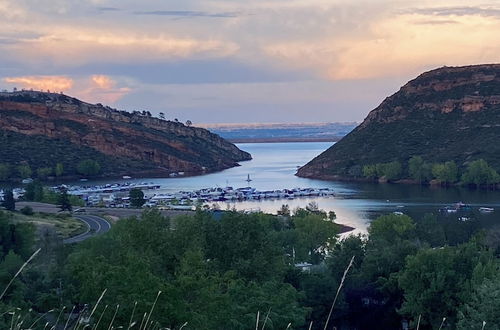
point(274, 165)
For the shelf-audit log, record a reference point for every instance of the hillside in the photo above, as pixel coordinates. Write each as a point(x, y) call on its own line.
point(41, 129)
point(450, 113)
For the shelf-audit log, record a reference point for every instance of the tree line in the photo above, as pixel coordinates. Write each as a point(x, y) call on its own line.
point(85, 167)
point(207, 272)
point(477, 173)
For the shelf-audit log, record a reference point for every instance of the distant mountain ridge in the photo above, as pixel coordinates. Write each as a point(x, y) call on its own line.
point(125, 142)
point(450, 113)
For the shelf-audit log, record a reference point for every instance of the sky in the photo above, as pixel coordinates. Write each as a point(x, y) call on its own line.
point(240, 61)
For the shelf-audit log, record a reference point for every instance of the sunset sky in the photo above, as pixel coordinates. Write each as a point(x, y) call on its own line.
point(238, 60)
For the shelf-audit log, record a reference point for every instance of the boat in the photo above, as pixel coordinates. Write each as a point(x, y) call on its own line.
point(248, 180)
point(486, 209)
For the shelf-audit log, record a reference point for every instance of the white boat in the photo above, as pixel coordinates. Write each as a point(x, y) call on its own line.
point(486, 209)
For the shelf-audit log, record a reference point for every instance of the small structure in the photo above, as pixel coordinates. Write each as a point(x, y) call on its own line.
point(304, 266)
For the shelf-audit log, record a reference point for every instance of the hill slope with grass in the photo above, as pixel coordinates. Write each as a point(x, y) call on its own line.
point(41, 129)
point(447, 114)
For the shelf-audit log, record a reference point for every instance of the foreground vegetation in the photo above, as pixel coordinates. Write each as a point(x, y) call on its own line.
point(222, 273)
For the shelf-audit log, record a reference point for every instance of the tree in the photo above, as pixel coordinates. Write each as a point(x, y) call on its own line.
point(88, 167)
point(313, 235)
point(392, 171)
point(5, 172)
point(418, 169)
point(189, 123)
point(64, 202)
point(136, 198)
point(446, 173)
point(284, 210)
point(8, 201)
point(59, 169)
point(480, 173)
point(436, 282)
point(43, 172)
point(34, 191)
point(162, 116)
point(24, 171)
point(370, 171)
point(482, 307)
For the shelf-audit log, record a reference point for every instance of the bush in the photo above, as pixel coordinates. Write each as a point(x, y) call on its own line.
point(27, 210)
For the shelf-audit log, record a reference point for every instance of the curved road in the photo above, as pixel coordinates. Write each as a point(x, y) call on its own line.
point(95, 225)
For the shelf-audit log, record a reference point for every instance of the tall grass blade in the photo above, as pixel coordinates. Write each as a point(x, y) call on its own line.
point(100, 318)
point(132, 316)
point(484, 324)
point(19, 272)
point(418, 322)
point(69, 317)
point(152, 307)
point(338, 291)
point(113, 319)
point(266, 318)
point(442, 323)
point(257, 322)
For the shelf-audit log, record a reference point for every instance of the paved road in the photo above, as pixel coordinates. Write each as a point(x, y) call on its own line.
point(95, 225)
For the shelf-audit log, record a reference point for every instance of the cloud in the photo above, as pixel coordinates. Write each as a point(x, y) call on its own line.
point(102, 89)
point(397, 45)
point(95, 89)
point(68, 46)
point(53, 83)
point(457, 11)
point(188, 13)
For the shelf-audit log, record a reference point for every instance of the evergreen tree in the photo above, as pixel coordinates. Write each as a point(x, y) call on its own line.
point(136, 198)
point(8, 201)
point(64, 202)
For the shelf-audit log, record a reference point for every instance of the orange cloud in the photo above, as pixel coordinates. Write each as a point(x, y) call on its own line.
point(102, 89)
point(102, 81)
point(395, 45)
point(53, 83)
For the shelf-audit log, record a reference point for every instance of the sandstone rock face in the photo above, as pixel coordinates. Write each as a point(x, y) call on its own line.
point(451, 113)
point(170, 146)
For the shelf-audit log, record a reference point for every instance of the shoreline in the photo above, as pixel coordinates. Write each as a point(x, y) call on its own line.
point(431, 184)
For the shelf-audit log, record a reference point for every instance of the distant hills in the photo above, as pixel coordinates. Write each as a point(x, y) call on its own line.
point(40, 130)
point(447, 114)
point(281, 132)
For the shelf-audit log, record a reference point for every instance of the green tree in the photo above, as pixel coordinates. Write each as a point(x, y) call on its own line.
point(136, 198)
point(88, 167)
point(418, 169)
point(446, 173)
point(482, 307)
point(8, 201)
point(480, 173)
point(437, 281)
point(392, 171)
point(314, 233)
point(64, 202)
point(44, 172)
point(370, 171)
point(34, 191)
point(24, 171)
point(5, 171)
point(59, 170)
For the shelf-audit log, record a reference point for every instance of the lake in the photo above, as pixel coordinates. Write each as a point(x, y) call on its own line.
point(274, 165)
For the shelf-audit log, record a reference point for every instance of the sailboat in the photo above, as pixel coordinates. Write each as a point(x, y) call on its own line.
point(248, 180)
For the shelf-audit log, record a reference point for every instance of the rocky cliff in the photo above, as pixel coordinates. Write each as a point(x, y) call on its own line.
point(451, 113)
point(124, 141)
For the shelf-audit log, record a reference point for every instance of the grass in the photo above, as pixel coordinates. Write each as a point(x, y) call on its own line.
point(63, 224)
